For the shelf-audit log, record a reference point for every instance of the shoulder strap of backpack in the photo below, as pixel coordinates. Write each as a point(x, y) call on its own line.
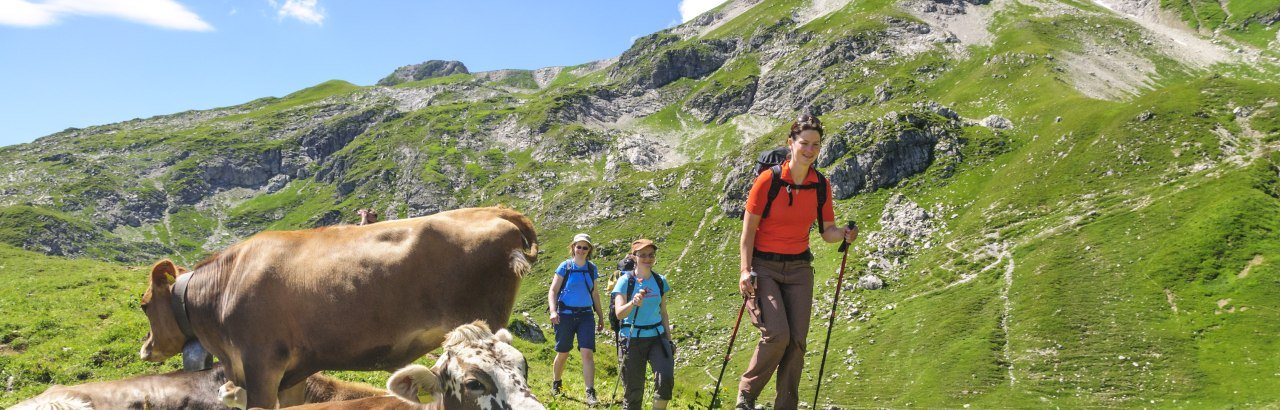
point(822, 198)
point(591, 269)
point(631, 285)
point(775, 185)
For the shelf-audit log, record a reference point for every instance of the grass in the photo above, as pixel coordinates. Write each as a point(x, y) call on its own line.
point(68, 321)
point(1237, 19)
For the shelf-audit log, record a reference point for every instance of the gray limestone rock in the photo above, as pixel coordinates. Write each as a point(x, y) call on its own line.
point(720, 104)
point(429, 69)
point(651, 63)
point(870, 282)
point(997, 122)
point(905, 228)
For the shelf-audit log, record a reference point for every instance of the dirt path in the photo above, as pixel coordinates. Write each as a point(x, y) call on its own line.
point(1257, 260)
point(819, 8)
point(1173, 36)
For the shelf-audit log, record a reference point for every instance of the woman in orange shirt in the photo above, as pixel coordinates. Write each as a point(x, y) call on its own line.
point(776, 271)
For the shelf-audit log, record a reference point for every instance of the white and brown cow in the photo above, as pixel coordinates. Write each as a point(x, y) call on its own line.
point(478, 370)
point(176, 390)
point(281, 306)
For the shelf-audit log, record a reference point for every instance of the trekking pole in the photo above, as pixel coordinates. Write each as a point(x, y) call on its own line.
point(622, 364)
point(844, 248)
point(715, 393)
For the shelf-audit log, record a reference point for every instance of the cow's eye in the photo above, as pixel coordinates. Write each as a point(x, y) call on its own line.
point(475, 386)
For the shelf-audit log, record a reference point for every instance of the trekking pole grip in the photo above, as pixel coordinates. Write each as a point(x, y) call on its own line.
point(844, 245)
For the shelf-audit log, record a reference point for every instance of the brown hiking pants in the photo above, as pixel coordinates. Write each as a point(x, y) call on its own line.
point(781, 308)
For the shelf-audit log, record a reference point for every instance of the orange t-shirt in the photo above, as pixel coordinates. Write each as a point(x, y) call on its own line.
point(786, 230)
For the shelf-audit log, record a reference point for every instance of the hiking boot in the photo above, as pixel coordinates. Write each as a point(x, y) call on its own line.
point(556, 389)
point(591, 397)
point(745, 403)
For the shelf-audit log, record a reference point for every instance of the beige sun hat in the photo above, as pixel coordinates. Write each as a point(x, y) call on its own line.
point(582, 237)
point(641, 244)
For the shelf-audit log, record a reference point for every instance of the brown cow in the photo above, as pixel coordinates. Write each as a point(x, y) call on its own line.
point(281, 306)
point(176, 390)
point(478, 370)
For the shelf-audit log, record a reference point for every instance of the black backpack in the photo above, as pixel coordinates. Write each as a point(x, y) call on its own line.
point(772, 160)
point(614, 322)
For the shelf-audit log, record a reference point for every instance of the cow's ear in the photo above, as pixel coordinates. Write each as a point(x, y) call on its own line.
point(503, 336)
point(164, 272)
point(415, 384)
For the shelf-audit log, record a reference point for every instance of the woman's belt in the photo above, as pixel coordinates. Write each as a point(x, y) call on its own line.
point(783, 257)
point(574, 309)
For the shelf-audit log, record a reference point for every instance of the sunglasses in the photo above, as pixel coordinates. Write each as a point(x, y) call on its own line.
point(808, 119)
point(806, 122)
point(646, 255)
point(582, 248)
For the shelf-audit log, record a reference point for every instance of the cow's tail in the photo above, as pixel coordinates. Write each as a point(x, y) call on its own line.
point(522, 259)
point(55, 402)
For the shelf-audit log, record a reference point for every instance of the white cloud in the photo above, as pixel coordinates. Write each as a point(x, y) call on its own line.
point(692, 8)
point(24, 14)
point(160, 13)
point(306, 11)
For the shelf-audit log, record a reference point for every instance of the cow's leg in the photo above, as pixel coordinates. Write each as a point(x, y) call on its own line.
point(262, 385)
point(293, 396)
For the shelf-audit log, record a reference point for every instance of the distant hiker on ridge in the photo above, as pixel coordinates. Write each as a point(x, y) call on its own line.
point(367, 216)
point(776, 272)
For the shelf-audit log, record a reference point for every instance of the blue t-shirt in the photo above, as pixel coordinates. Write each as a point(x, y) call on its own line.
point(648, 314)
point(578, 283)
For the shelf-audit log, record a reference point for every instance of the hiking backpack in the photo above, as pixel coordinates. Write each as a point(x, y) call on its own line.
point(614, 322)
point(772, 160)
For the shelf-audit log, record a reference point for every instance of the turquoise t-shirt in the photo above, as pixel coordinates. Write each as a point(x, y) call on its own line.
point(648, 314)
point(578, 282)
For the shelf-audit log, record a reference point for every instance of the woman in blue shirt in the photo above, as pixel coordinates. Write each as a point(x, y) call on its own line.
point(640, 302)
point(572, 300)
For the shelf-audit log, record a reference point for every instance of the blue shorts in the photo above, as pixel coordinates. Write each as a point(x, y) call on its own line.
point(580, 324)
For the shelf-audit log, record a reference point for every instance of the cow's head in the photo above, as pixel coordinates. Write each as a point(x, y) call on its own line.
point(165, 339)
point(478, 370)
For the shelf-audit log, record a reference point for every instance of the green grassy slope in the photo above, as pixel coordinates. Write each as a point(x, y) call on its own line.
point(68, 321)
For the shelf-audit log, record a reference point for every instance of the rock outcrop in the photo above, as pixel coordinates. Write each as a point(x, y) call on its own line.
point(881, 154)
point(718, 103)
point(657, 60)
point(422, 71)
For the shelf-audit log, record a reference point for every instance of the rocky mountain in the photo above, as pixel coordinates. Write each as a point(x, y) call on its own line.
point(1062, 203)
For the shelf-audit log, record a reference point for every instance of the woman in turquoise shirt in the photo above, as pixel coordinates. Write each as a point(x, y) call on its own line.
point(640, 303)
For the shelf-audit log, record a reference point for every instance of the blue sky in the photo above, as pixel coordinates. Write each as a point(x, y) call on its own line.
point(77, 63)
